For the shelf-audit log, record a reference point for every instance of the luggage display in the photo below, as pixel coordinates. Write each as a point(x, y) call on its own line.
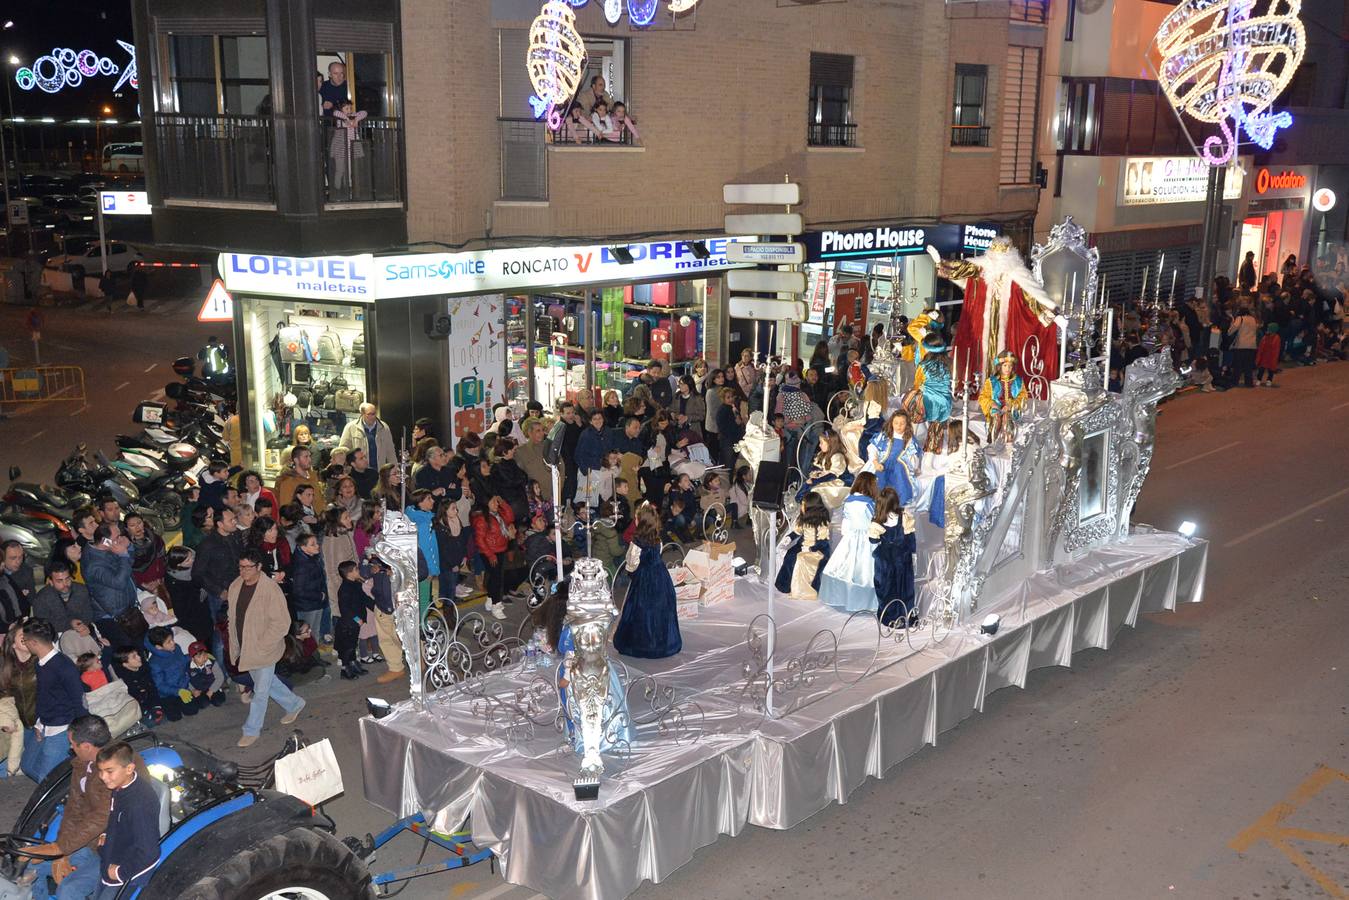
point(348, 401)
point(663, 293)
point(612, 301)
point(575, 327)
point(636, 337)
point(559, 313)
point(686, 294)
point(329, 348)
point(661, 344)
point(544, 326)
point(295, 345)
point(358, 352)
point(641, 294)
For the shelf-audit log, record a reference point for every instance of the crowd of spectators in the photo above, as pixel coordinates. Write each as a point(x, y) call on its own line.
point(595, 117)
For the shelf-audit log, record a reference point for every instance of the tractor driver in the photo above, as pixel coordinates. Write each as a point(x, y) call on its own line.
point(74, 864)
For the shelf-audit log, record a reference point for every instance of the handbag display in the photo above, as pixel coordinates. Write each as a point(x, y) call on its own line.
point(348, 401)
point(358, 352)
point(295, 345)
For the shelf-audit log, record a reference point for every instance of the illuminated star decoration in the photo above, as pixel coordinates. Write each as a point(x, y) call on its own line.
point(128, 73)
point(1225, 67)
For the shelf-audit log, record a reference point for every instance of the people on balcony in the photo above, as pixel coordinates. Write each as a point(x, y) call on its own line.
point(333, 92)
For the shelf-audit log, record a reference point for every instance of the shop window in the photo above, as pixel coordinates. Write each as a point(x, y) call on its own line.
point(829, 107)
point(967, 114)
point(1020, 100)
point(307, 366)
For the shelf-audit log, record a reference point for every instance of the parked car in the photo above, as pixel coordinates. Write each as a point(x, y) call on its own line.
point(89, 261)
point(67, 243)
point(73, 210)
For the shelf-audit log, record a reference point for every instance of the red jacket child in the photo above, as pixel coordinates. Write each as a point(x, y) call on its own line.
point(491, 536)
point(1267, 354)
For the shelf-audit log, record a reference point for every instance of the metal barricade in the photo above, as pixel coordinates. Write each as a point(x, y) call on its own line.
point(39, 383)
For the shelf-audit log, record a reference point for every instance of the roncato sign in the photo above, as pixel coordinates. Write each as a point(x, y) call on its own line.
point(490, 271)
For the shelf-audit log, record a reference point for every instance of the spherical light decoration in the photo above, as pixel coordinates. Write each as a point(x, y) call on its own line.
point(1224, 67)
point(556, 55)
point(613, 11)
point(641, 12)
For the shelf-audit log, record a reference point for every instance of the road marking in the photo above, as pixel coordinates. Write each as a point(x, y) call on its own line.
point(1184, 462)
point(34, 436)
point(80, 410)
point(463, 888)
point(497, 891)
point(122, 385)
point(1285, 519)
point(64, 347)
point(1341, 406)
point(157, 395)
point(151, 368)
point(1269, 828)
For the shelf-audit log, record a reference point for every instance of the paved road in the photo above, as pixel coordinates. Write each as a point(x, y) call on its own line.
point(1131, 775)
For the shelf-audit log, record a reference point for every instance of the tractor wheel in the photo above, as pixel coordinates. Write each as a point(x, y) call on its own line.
point(301, 864)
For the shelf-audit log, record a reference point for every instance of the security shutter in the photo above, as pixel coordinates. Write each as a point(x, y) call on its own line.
point(212, 26)
point(1123, 272)
point(1020, 99)
point(831, 70)
point(352, 36)
point(515, 87)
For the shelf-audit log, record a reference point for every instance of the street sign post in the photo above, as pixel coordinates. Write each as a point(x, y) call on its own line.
point(764, 223)
point(766, 253)
point(765, 309)
point(766, 281)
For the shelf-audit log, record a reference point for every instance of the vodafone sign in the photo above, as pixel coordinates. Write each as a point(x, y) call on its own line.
point(1287, 180)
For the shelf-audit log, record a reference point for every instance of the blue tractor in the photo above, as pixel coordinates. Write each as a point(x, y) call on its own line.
point(223, 834)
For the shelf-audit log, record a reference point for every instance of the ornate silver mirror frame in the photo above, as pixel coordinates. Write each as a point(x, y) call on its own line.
point(1066, 266)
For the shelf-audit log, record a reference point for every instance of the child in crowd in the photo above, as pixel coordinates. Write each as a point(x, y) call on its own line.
point(537, 504)
point(622, 123)
point(619, 507)
point(453, 540)
point(79, 639)
point(1267, 356)
point(538, 541)
point(352, 607)
point(1201, 377)
point(300, 662)
point(799, 576)
point(600, 118)
point(741, 490)
point(848, 580)
point(129, 846)
point(206, 679)
point(293, 526)
point(648, 626)
point(129, 665)
point(309, 585)
point(681, 509)
point(91, 671)
point(168, 668)
point(344, 147)
point(894, 549)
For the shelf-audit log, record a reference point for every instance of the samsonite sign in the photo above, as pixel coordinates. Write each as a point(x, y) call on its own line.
point(491, 271)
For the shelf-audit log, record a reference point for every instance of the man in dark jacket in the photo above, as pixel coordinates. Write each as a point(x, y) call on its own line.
point(60, 701)
point(654, 378)
point(589, 456)
point(106, 565)
point(215, 567)
point(16, 583)
point(627, 439)
point(62, 599)
point(571, 433)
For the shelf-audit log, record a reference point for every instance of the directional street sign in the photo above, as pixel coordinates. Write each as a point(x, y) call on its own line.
point(764, 223)
point(766, 280)
point(218, 305)
point(779, 193)
point(769, 254)
point(766, 310)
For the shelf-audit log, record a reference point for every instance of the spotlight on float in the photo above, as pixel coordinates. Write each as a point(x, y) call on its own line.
point(990, 624)
point(622, 254)
point(1187, 529)
point(377, 707)
point(698, 249)
point(739, 565)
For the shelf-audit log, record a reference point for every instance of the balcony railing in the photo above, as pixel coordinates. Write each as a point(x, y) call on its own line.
point(215, 157)
point(969, 135)
point(363, 164)
point(831, 135)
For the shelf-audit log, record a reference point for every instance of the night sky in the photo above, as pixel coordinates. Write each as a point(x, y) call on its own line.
point(41, 25)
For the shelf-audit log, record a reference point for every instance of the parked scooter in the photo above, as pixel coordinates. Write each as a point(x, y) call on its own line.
point(36, 550)
point(100, 478)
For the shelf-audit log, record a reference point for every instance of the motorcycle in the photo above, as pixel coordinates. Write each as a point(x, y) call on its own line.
point(103, 479)
point(40, 508)
point(36, 550)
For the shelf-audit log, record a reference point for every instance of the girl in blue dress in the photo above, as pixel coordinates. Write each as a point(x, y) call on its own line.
point(896, 457)
point(848, 581)
point(648, 626)
point(830, 465)
point(894, 549)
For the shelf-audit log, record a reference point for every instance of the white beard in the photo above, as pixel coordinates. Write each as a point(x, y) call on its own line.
point(1002, 268)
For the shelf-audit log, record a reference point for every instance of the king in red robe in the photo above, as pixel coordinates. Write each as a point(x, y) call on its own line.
point(1005, 306)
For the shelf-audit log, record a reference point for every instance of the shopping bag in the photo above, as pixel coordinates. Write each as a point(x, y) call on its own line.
point(131, 298)
point(310, 773)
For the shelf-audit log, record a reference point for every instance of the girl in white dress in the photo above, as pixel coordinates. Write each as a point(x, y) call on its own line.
point(848, 582)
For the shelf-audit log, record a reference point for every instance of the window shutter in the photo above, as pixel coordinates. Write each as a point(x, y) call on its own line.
point(352, 36)
point(1020, 99)
point(831, 70)
point(199, 26)
point(516, 89)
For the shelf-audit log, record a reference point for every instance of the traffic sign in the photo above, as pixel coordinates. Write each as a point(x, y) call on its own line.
point(18, 212)
point(218, 305)
point(766, 280)
point(764, 223)
point(124, 203)
point(766, 310)
point(771, 254)
point(779, 192)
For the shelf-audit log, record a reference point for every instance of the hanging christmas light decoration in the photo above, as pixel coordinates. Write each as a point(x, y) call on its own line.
point(1224, 66)
point(641, 12)
point(613, 11)
point(67, 68)
point(556, 61)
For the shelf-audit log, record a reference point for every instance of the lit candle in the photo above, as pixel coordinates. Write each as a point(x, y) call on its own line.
point(1144, 294)
point(1161, 264)
point(1173, 287)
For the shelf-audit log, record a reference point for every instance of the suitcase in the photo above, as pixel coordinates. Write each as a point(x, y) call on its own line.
point(576, 329)
point(663, 293)
point(636, 337)
point(690, 336)
point(660, 341)
point(612, 301)
point(641, 294)
point(468, 392)
point(559, 313)
point(686, 293)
